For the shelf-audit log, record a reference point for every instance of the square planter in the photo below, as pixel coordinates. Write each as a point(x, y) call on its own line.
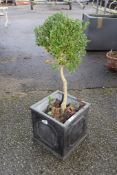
point(101, 32)
point(59, 138)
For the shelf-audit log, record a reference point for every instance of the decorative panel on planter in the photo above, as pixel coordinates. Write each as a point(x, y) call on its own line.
point(60, 138)
point(101, 32)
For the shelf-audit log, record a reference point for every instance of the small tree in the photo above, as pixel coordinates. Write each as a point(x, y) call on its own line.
point(64, 38)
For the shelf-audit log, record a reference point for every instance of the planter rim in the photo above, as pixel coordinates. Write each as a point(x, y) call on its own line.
point(114, 16)
point(72, 118)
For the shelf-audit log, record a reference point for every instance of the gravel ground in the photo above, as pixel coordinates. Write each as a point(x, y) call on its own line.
point(96, 155)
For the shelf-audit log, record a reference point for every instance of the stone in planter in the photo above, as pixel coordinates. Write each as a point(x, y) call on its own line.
point(102, 31)
point(59, 138)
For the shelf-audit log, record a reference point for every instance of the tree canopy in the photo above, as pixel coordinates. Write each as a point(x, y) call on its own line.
point(64, 38)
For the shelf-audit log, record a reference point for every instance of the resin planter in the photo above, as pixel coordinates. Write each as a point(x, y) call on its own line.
point(59, 138)
point(101, 31)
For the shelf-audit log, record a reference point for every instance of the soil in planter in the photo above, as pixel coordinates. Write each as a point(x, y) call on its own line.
point(54, 110)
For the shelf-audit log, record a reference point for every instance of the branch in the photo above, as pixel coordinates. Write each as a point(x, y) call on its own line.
point(64, 103)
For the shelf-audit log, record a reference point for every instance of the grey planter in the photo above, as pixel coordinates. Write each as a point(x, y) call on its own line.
point(59, 138)
point(102, 31)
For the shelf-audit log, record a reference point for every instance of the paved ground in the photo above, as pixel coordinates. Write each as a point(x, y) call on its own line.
point(22, 59)
point(24, 79)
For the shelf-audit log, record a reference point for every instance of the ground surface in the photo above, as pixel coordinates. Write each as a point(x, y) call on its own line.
point(25, 79)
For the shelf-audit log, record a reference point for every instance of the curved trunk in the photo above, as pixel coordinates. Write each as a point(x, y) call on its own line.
point(64, 103)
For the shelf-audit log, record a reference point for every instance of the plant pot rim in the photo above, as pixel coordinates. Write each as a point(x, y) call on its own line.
point(111, 57)
point(72, 118)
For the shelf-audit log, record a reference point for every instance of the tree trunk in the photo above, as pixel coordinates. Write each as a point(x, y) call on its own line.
point(64, 103)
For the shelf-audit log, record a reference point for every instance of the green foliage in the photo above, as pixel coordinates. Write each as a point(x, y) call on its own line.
point(64, 38)
point(50, 100)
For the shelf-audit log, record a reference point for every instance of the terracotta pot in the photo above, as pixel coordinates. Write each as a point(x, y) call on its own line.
point(112, 60)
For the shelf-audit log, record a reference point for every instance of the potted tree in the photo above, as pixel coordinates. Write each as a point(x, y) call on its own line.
point(60, 120)
point(112, 60)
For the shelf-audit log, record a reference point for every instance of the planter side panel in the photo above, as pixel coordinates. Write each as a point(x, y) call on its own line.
point(102, 32)
point(76, 132)
point(48, 133)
